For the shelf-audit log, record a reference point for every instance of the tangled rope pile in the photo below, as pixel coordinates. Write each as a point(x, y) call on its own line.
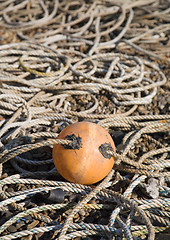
point(89, 26)
point(77, 61)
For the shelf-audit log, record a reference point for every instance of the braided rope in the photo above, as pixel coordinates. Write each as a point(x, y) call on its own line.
point(83, 202)
point(66, 61)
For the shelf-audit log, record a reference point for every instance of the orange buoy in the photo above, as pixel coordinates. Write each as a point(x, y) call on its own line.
point(87, 162)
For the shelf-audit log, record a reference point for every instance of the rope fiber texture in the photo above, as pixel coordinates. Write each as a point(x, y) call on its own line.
point(105, 62)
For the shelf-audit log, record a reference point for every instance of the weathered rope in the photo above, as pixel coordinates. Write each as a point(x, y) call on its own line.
point(66, 61)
